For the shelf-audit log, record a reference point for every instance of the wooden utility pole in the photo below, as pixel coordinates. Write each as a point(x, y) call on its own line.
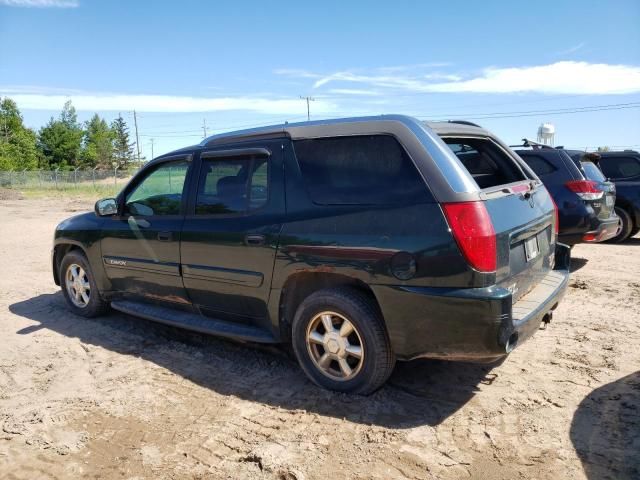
point(152, 149)
point(308, 99)
point(135, 122)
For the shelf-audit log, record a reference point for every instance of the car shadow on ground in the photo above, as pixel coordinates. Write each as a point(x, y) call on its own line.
point(422, 392)
point(633, 241)
point(577, 263)
point(605, 430)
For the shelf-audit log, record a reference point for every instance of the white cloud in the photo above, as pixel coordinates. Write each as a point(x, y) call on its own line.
point(41, 3)
point(442, 76)
point(566, 77)
point(84, 101)
point(570, 50)
point(557, 78)
point(353, 91)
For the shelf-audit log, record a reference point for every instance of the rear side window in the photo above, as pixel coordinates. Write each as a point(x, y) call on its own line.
point(538, 164)
point(620, 167)
point(359, 170)
point(487, 163)
point(232, 186)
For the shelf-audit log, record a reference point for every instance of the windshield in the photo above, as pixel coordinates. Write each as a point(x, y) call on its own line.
point(593, 172)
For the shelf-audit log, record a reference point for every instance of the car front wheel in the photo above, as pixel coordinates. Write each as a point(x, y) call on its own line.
point(340, 341)
point(79, 287)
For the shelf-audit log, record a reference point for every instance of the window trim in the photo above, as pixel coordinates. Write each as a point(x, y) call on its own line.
point(148, 170)
point(222, 155)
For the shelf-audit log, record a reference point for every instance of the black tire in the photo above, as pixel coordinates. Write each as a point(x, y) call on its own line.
point(634, 232)
point(377, 361)
point(96, 305)
point(627, 226)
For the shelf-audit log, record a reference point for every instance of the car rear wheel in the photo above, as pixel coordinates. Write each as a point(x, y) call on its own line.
point(627, 225)
point(79, 287)
point(340, 341)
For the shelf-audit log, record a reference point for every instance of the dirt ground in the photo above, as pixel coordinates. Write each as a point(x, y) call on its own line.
point(120, 397)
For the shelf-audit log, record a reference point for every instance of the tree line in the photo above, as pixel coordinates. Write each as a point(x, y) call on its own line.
point(63, 142)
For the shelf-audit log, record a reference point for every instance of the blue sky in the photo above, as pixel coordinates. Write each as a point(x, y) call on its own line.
point(506, 65)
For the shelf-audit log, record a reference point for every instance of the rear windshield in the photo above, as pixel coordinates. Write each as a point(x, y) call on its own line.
point(592, 172)
point(487, 163)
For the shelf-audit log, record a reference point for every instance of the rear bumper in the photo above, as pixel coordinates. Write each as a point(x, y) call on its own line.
point(593, 230)
point(473, 324)
point(606, 229)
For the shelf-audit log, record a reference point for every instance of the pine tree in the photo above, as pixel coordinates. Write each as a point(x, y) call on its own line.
point(98, 143)
point(122, 147)
point(61, 140)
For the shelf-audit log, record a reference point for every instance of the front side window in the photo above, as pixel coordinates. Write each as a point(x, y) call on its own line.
point(359, 170)
point(160, 192)
point(620, 167)
point(232, 185)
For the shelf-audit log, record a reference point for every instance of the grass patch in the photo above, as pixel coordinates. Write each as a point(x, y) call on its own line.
point(75, 191)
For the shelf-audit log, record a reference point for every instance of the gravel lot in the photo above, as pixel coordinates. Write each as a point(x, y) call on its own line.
point(119, 397)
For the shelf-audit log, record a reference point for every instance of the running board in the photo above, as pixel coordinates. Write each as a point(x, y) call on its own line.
point(193, 321)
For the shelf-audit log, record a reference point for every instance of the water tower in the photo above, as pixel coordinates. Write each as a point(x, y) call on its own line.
point(546, 133)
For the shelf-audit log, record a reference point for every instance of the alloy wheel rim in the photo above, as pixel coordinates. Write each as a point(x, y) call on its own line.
point(78, 285)
point(335, 346)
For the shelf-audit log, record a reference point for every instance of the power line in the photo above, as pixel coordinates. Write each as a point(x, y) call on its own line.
point(469, 116)
point(556, 110)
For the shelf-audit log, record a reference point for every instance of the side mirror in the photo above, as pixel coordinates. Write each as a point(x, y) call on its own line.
point(106, 207)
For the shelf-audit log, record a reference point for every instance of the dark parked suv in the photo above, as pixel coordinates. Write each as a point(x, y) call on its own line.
point(358, 241)
point(585, 206)
point(622, 168)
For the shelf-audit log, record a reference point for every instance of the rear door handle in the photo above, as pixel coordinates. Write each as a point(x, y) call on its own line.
point(254, 239)
point(164, 236)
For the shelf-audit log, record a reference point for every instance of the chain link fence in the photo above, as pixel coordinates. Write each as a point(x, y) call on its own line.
point(67, 179)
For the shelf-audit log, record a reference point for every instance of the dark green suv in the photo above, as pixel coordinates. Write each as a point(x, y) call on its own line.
point(358, 241)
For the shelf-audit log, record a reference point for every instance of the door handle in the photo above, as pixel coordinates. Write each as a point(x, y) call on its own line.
point(254, 239)
point(164, 236)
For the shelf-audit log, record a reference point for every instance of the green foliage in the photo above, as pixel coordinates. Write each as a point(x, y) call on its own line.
point(122, 147)
point(17, 143)
point(61, 140)
point(603, 149)
point(98, 143)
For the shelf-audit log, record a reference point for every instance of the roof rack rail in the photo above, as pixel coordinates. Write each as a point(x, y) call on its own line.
point(530, 143)
point(464, 122)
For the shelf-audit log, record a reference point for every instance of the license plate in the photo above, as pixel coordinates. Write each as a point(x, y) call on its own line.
point(531, 249)
point(609, 201)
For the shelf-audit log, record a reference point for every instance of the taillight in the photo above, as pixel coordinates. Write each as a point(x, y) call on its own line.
point(585, 189)
point(472, 228)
